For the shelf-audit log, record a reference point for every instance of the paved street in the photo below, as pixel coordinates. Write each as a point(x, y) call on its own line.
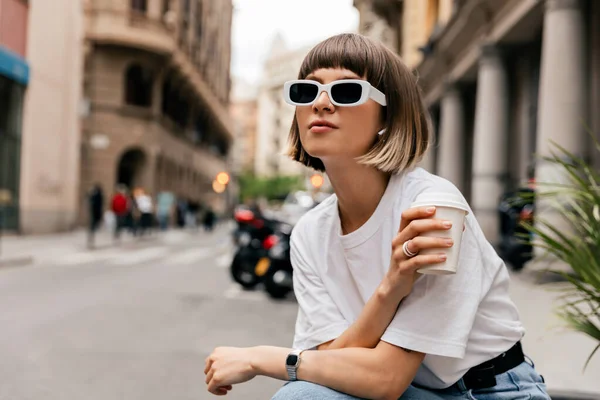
point(133, 322)
point(136, 321)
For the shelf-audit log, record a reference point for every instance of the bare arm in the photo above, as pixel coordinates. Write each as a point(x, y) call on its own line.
point(381, 308)
point(372, 322)
point(383, 372)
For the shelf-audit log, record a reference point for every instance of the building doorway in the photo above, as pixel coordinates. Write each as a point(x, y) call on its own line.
point(131, 168)
point(11, 104)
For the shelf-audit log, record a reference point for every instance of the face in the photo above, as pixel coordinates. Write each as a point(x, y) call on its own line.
point(331, 132)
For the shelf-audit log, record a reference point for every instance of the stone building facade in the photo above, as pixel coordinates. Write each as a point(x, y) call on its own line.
point(275, 116)
point(245, 115)
point(502, 80)
point(156, 85)
point(49, 180)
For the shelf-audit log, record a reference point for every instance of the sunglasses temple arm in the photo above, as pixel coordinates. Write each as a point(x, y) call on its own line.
point(378, 96)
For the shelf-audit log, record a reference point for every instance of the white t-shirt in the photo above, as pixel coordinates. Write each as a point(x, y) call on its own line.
point(458, 320)
point(144, 203)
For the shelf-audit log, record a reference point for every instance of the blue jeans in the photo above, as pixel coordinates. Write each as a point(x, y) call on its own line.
point(520, 383)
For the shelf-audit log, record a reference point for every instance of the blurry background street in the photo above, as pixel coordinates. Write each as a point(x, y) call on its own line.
point(133, 322)
point(142, 148)
point(136, 321)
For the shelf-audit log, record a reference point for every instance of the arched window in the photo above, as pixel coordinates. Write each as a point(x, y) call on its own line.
point(139, 5)
point(138, 86)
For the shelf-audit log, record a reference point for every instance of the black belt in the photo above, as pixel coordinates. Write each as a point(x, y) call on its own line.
point(484, 375)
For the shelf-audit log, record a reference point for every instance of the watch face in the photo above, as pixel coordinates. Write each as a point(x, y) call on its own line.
point(292, 360)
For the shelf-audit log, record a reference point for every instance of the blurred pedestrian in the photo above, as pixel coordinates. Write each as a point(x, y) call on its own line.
point(96, 208)
point(165, 202)
point(132, 219)
point(182, 207)
point(120, 207)
point(209, 219)
point(146, 210)
point(191, 216)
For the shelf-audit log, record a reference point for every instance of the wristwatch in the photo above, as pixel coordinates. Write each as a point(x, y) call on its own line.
point(292, 362)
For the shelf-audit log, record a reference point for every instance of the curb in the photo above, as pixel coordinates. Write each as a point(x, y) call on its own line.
point(572, 395)
point(16, 262)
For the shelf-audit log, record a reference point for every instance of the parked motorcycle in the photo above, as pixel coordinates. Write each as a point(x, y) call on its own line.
point(255, 237)
point(278, 277)
point(516, 242)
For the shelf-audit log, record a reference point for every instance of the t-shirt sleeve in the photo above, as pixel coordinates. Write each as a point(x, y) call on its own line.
point(319, 319)
point(437, 317)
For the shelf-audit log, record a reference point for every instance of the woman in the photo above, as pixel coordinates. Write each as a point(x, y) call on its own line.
point(376, 329)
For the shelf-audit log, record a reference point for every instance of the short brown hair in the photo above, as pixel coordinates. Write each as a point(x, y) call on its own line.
point(407, 124)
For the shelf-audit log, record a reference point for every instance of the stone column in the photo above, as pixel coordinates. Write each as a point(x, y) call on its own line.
point(562, 96)
point(451, 157)
point(428, 161)
point(490, 143)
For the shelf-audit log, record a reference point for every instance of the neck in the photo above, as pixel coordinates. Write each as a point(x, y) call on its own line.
point(359, 190)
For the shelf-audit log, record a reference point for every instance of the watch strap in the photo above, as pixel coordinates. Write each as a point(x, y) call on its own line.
point(292, 370)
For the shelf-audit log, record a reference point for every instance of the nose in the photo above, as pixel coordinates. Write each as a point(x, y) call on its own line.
point(323, 103)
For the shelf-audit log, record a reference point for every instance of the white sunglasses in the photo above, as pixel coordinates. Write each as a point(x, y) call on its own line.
point(342, 93)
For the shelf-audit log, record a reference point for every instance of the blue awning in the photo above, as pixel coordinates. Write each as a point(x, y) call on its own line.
point(13, 67)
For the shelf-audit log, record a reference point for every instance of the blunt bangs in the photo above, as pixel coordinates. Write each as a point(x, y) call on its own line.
point(348, 51)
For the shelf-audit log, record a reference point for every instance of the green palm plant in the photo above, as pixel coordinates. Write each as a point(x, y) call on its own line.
point(576, 199)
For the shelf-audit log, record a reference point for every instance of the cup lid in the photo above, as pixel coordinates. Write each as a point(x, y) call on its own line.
point(441, 199)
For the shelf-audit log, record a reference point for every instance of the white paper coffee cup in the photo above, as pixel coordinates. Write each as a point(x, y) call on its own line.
point(452, 208)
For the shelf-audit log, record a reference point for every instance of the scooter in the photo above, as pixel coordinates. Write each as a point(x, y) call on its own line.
point(516, 242)
point(254, 238)
point(278, 277)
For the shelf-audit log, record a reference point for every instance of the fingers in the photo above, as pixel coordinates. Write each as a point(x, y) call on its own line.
point(411, 214)
point(207, 364)
point(213, 382)
point(215, 388)
point(209, 376)
point(419, 226)
point(409, 266)
point(223, 390)
point(424, 242)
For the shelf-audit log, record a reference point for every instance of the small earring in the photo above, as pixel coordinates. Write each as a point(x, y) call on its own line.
point(381, 132)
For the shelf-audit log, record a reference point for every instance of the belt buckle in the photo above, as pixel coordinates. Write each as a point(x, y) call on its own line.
point(483, 378)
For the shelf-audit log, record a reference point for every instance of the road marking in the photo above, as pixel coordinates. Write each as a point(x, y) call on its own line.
point(84, 257)
point(140, 256)
point(191, 256)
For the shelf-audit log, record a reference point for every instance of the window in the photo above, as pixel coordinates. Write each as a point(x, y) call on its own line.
point(139, 5)
point(138, 86)
point(185, 24)
point(199, 21)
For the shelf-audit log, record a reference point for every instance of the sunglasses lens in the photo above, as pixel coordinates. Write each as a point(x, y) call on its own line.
point(346, 93)
point(303, 93)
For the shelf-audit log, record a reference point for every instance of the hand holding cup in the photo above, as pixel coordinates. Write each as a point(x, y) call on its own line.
point(409, 245)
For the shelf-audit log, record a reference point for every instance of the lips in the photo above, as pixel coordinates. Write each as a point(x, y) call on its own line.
point(321, 123)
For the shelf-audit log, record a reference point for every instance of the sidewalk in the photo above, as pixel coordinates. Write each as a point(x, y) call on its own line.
point(18, 251)
point(24, 250)
point(559, 354)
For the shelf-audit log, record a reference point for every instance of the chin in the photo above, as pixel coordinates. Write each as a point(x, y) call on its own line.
point(319, 151)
